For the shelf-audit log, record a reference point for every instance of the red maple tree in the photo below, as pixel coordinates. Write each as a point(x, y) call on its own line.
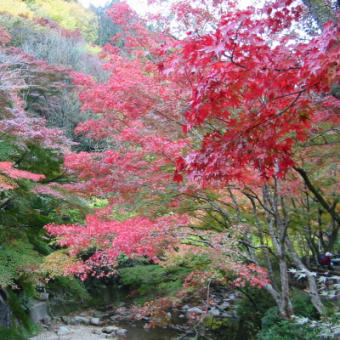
point(227, 102)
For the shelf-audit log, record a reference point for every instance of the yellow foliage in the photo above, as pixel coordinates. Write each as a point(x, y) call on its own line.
point(69, 15)
point(55, 264)
point(15, 7)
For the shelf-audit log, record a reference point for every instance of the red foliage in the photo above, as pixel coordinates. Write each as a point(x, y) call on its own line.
point(133, 237)
point(222, 105)
point(261, 90)
point(6, 168)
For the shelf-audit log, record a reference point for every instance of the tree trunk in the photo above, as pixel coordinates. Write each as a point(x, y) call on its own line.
point(313, 289)
point(286, 308)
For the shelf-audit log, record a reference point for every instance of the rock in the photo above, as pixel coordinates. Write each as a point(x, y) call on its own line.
point(195, 310)
point(214, 312)
point(232, 297)
point(68, 321)
point(185, 307)
point(121, 331)
point(63, 331)
point(115, 317)
point(65, 319)
point(181, 316)
point(96, 331)
point(226, 315)
point(224, 305)
point(110, 330)
point(121, 310)
point(44, 296)
point(47, 320)
point(38, 311)
point(95, 321)
point(82, 320)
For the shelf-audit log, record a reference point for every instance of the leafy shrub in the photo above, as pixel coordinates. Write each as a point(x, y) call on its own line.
point(303, 306)
point(285, 330)
point(70, 287)
point(19, 314)
point(17, 257)
point(251, 309)
point(274, 328)
point(154, 280)
point(11, 334)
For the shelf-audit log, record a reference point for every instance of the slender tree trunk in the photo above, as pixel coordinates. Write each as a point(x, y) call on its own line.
point(286, 308)
point(277, 226)
point(313, 289)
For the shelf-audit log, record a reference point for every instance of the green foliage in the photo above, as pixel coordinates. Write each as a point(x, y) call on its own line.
point(285, 330)
point(144, 276)
point(70, 287)
point(224, 326)
point(106, 28)
point(11, 333)
point(251, 309)
point(17, 256)
point(271, 317)
point(274, 328)
point(20, 315)
point(303, 306)
point(154, 280)
point(189, 260)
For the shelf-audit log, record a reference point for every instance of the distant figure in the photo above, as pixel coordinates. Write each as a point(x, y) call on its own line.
point(326, 260)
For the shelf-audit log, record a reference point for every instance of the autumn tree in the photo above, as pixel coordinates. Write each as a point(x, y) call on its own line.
point(229, 100)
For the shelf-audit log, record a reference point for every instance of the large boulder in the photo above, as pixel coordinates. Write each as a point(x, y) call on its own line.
point(39, 311)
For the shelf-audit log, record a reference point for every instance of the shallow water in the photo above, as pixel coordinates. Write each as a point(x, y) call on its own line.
point(139, 333)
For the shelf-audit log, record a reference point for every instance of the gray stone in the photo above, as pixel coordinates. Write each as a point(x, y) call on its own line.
point(121, 331)
point(226, 315)
point(38, 311)
point(44, 296)
point(195, 310)
point(98, 314)
point(185, 307)
point(181, 316)
point(224, 305)
point(214, 312)
point(232, 297)
point(95, 321)
point(110, 329)
point(96, 331)
point(47, 320)
point(63, 331)
point(82, 320)
point(65, 319)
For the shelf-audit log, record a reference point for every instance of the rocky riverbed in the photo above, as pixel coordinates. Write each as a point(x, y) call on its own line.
point(110, 322)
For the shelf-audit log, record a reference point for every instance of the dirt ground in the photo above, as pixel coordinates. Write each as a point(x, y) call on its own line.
point(77, 332)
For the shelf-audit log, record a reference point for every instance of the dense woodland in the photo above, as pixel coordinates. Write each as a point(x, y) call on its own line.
point(171, 156)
